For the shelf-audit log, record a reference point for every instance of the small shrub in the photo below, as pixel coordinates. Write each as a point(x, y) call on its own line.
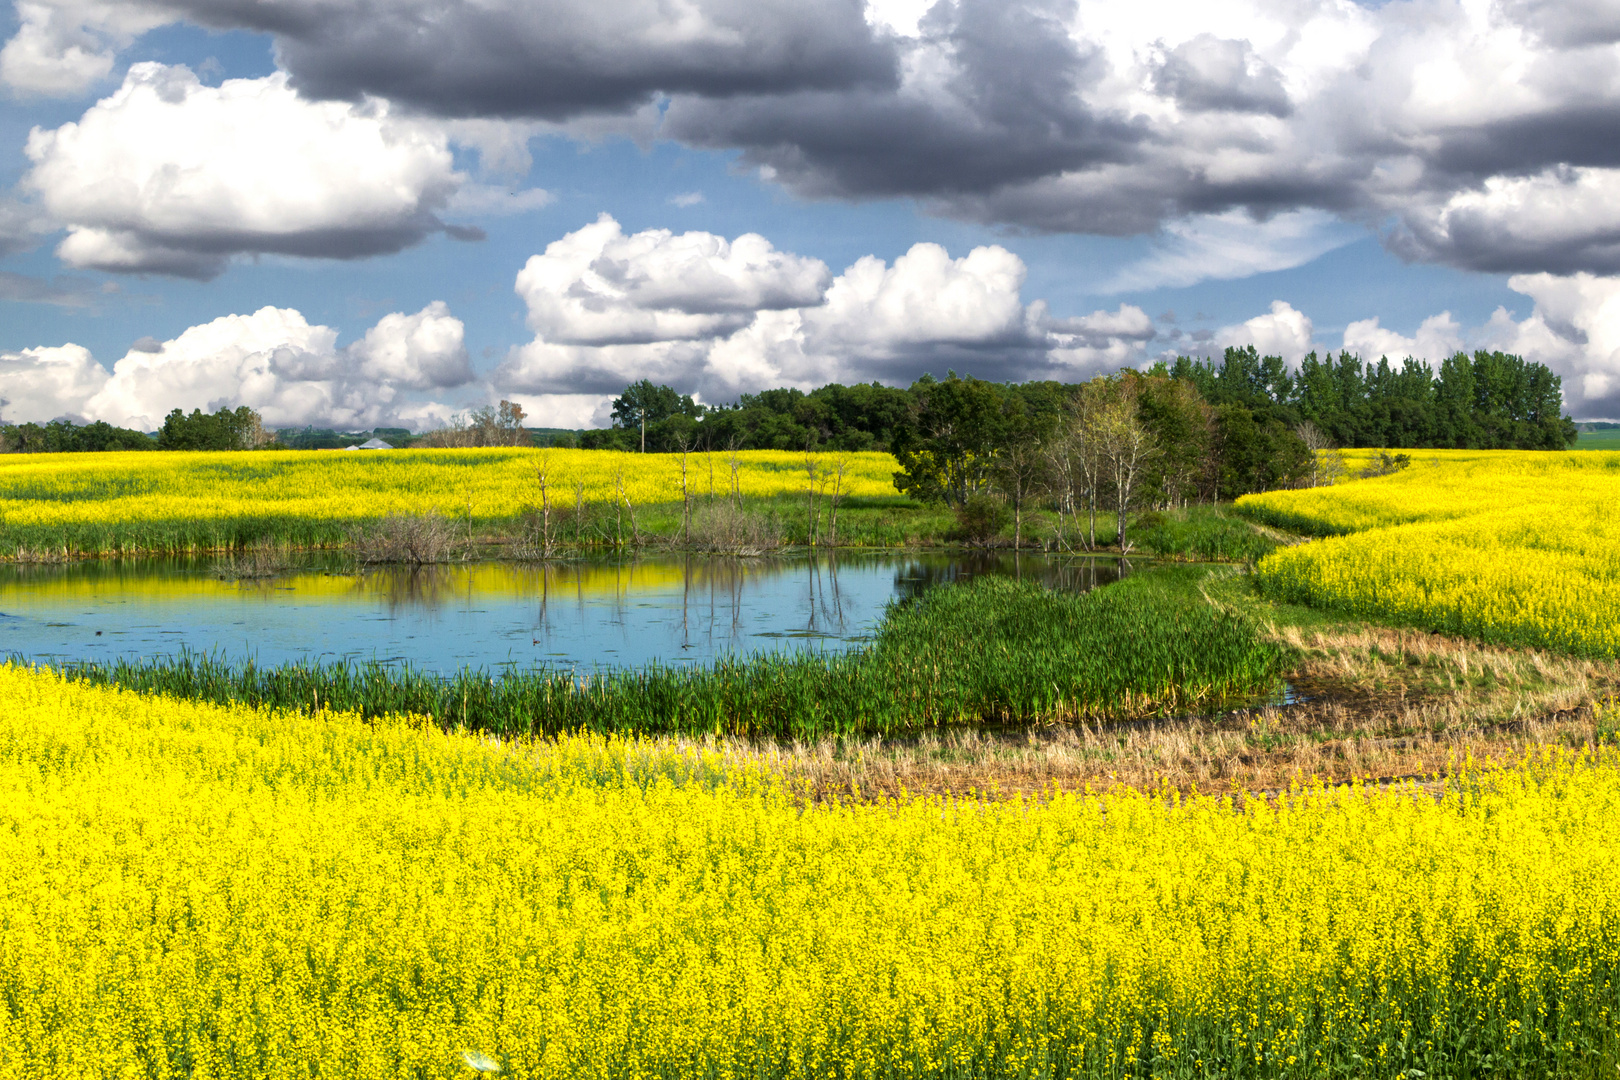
point(252, 564)
point(413, 539)
point(1384, 465)
point(727, 529)
point(1203, 533)
point(980, 520)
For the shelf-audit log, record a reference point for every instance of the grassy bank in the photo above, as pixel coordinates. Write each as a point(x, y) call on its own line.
point(990, 652)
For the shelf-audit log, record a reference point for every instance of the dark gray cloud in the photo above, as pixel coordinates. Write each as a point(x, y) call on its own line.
point(1567, 23)
point(1486, 243)
point(1002, 105)
point(1213, 74)
point(558, 59)
point(1574, 133)
point(22, 225)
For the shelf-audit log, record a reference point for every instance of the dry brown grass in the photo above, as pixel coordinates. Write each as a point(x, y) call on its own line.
point(1380, 704)
point(43, 556)
point(724, 528)
point(253, 564)
point(410, 539)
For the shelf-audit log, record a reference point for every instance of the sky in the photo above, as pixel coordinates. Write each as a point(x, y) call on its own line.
point(361, 213)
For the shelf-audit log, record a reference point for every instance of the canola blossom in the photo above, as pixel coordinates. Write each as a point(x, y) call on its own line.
point(213, 891)
point(1520, 547)
point(169, 501)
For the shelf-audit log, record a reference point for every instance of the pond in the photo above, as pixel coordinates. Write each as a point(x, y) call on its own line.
point(573, 614)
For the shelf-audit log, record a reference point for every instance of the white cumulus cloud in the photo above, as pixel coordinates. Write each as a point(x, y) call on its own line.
point(172, 176)
point(1438, 337)
point(273, 360)
point(48, 383)
point(597, 286)
point(1574, 329)
point(1282, 331)
point(64, 47)
point(720, 318)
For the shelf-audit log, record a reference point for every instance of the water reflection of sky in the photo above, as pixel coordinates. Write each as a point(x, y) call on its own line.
point(573, 614)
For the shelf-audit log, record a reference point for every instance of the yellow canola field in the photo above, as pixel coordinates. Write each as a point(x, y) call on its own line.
point(1514, 546)
point(190, 890)
point(43, 492)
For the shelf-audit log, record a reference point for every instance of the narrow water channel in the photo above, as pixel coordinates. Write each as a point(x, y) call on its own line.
point(576, 614)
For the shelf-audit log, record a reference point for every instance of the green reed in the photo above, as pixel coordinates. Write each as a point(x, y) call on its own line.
point(991, 651)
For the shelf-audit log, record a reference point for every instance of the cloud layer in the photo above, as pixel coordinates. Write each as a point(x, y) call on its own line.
point(273, 360)
point(1482, 135)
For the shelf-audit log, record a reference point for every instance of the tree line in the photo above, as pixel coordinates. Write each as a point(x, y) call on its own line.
point(243, 428)
point(225, 429)
point(1489, 400)
point(1181, 432)
point(1259, 418)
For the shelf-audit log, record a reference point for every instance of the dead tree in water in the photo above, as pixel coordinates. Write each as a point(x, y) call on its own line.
point(685, 444)
point(813, 512)
point(839, 469)
point(546, 545)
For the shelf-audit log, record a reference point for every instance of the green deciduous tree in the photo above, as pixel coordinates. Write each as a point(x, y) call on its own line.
point(226, 429)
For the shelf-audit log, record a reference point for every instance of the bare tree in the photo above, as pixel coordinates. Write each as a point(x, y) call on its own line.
point(1061, 482)
point(619, 501)
point(492, 425)
point(1318, 444)
point(814, 481)
point(684, 443)
point(1074, 458)
point(1126, 447)
point(541, 470)
point(579, 510)
point(840, 467)
point(736, 478)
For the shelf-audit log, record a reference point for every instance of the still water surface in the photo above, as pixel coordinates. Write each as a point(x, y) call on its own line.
point(676, 609)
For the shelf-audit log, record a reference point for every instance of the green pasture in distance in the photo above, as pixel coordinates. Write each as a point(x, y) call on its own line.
point(1607, 439)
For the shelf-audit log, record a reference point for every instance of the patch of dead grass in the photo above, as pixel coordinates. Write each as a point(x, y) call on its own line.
point(1380, 704)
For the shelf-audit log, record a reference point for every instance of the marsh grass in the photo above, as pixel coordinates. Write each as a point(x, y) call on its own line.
point(993, 651)
point(1204, 533)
